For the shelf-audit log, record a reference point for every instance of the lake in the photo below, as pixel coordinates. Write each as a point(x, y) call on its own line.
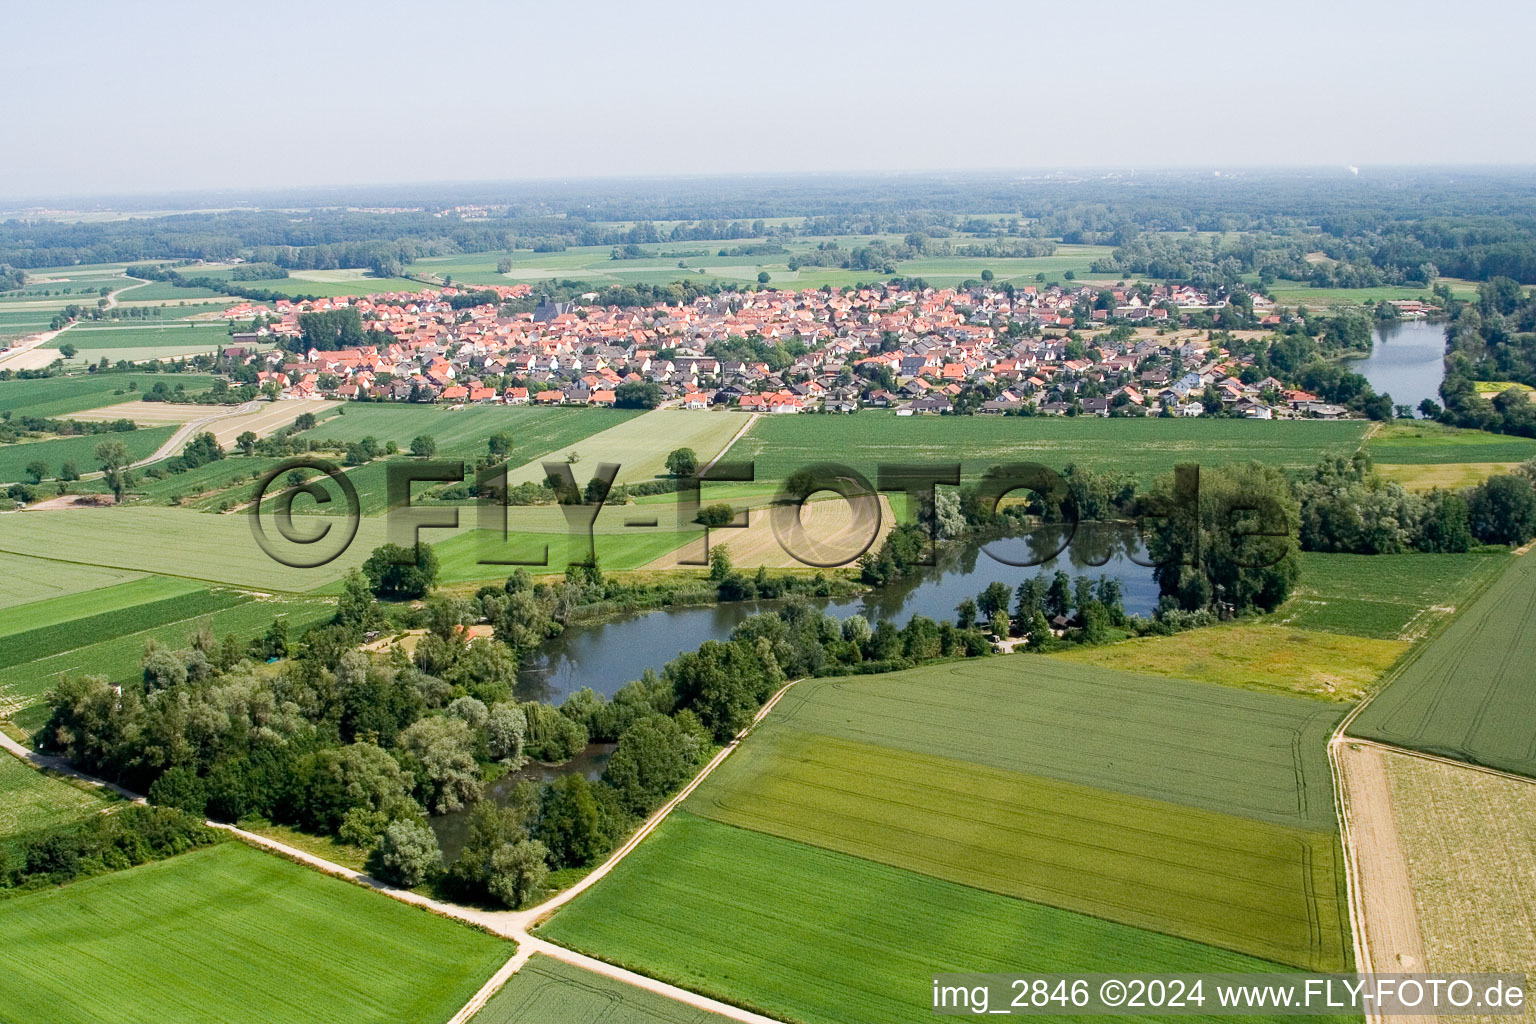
point(606, 655)
point(1407, 361)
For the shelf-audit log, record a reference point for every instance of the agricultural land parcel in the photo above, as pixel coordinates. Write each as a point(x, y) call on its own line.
point(812, 935)
point(1467, 693)
point(1142, 448)
point(58, 397)
point(201, 937)
point(32, 802)
point(1469, 839)
point(549, 991)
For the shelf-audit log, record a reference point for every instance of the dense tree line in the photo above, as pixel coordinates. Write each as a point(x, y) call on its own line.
point(121, 838)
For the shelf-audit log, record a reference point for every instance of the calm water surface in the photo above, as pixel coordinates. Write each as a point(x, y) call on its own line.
point(1407, 361)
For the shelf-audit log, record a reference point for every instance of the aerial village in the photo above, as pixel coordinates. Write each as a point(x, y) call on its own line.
point(915, 352)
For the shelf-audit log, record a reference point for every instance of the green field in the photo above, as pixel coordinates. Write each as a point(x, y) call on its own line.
point(206, 937)
point(1221, 749)
point(463, 433)
point(1386, 596)
point(1262, 889)
point(1299, 293)
point(24, 579)
point(188, 335)
point(807, 934)
point(58, 397)
point(81, 450)
point(1431, 443)
point(178, 542)
point(1468, 693)
point(702, 262)
point(120, 657)
point(461, 557)
point(550, 991)
point(67, 633)
point(32, 802)
point(56, 611)
point(1141, 447)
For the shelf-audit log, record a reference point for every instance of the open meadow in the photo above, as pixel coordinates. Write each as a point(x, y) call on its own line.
point(1467, 693)
point(24, 579)
point(1142, 448)
point(1264, 656)
point(227, 934)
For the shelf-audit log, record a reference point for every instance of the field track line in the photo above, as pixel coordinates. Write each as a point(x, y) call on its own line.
point(751, 419)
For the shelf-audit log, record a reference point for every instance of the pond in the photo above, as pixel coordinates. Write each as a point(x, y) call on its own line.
point(606, 655)
point(453, 829)
point(1407, 361)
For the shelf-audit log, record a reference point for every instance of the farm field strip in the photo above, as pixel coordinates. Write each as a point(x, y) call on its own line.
point(1143, 448)
point(203, 936)
point(1418, 443)
point(25, 580)
point(1464, 694)
point(807, 934)
point(1219, 748)
point(177, 542)
point(1261, 889)
point(119, 658)
point(640, 445)
point(113, 597)
point(45, 641)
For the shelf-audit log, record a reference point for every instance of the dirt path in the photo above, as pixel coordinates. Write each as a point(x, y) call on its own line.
point(751, 419)
point(1393, 940)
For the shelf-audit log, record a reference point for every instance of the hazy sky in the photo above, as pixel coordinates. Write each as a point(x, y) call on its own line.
point(119, 97)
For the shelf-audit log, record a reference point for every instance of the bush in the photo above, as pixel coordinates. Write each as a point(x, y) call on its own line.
point(407, 854)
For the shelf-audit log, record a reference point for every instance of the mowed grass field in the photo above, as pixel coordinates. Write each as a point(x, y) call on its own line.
point(813, 935)
point(1141, 447)
point(1391, 597)
point(1417, 443)
point(1467, 694)
point(550, 991)
point(1266, 657)
point(1469, 839)
point(205, 937)
point(1262, 889)
point(81, 450)
point(32, 802)
point(57, 397)
point(1223, 749)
